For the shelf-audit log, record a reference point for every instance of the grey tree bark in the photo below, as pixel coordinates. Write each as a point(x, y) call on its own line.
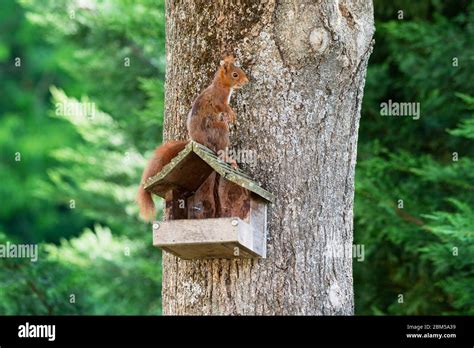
point(307, 61)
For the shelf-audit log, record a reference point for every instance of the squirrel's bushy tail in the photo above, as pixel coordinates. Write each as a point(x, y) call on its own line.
point(162, 156)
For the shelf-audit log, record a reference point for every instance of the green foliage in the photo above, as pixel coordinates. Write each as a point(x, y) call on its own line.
point(27, 67)
point(117, 55)
point(97, 273)
point(109, 69)
point(414, 179)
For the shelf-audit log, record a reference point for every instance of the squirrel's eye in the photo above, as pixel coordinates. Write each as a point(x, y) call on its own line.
point(235, 75)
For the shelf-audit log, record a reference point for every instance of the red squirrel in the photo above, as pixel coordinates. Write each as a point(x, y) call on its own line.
point(210, 114)
point(208, 124)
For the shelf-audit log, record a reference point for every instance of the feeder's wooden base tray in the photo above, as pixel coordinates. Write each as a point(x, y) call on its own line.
point(225, 238)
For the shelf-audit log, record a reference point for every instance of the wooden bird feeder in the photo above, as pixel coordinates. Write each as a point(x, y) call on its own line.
point(212, 210)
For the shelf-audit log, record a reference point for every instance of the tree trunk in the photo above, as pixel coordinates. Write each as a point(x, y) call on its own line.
point(300, 114)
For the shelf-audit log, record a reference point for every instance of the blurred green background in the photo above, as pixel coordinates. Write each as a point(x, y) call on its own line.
point(68, 177)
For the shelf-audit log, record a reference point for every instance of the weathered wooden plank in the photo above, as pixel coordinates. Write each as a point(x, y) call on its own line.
point(211, 251)
point(187, 174)
point(207, 238)
point(217, 163)
point(150, 182)
point(190, 168)
point(258, 221)
point(236, 177)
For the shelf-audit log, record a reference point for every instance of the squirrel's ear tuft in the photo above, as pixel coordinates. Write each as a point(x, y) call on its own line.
point(227, 62)
point(229, 59)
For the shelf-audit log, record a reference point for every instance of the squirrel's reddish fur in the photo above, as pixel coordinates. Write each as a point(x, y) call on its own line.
point(210, 114)
point(208, 124)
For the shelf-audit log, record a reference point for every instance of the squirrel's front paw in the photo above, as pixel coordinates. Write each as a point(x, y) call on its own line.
point(230, 117)
point(233, 163)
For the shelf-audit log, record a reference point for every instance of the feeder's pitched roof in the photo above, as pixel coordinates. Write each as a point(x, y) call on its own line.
point(191, 167)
